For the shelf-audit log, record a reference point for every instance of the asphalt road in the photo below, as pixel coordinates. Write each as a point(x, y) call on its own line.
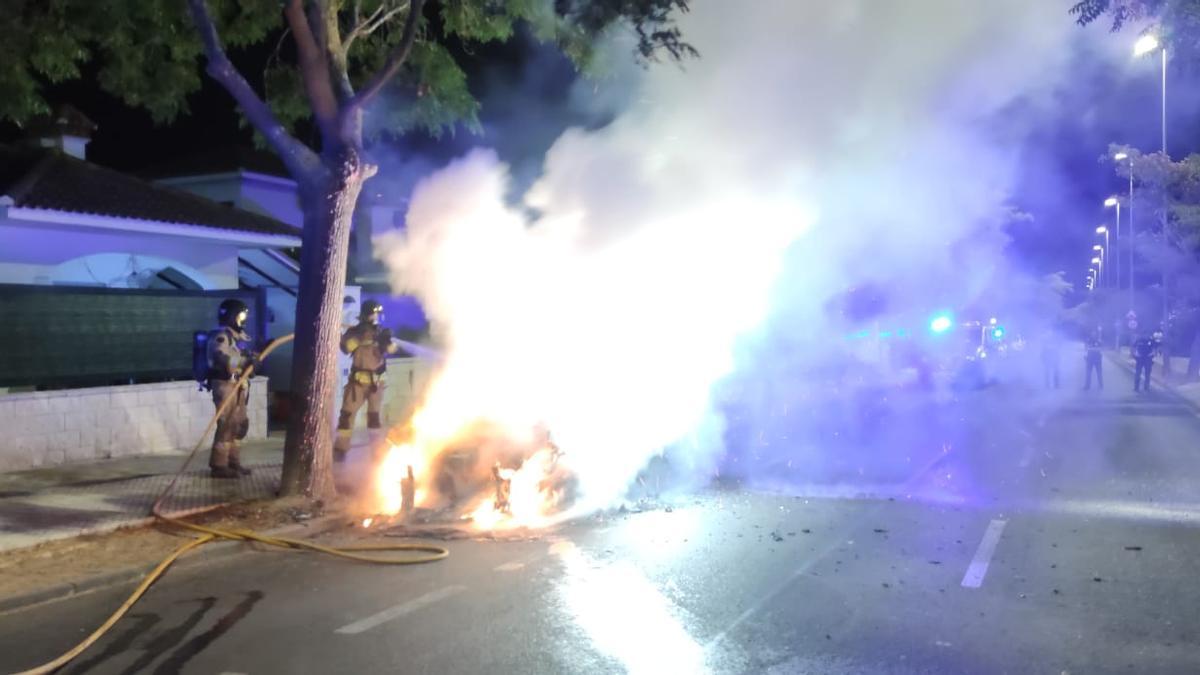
point(1006, 531)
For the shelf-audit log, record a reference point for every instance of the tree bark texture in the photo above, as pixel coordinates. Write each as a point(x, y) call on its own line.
point(328, 203)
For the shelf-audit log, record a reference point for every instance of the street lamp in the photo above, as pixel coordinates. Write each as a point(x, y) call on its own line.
point(1103, 229)
point(1120, 157)
point(1108, 204)
point(1145, 45)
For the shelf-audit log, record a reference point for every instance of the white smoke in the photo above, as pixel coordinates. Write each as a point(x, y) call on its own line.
point(813, 147)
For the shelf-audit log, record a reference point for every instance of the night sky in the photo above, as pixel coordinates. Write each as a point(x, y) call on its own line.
point(524, 90)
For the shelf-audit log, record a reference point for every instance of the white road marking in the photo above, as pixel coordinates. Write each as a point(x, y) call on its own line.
point(983, 555)
point(761, 602)
point(749, 611)
point(509, 566)
point(820, 556)
point(400, 610)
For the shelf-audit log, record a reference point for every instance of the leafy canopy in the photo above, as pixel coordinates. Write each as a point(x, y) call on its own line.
point(1175, 22)
point(148, 53)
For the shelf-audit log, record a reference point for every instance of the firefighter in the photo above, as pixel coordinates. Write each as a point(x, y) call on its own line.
point(1093, 359)
point(1142, 352)
point(368, 346)
point(229, 354)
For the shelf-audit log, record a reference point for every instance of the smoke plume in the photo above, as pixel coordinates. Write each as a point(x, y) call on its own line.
point(813, 150)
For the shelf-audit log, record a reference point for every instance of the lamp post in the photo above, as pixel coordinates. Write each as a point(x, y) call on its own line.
point(1103, 229)
point(1145, 45)
point(1122, 156)
point(1109, 203)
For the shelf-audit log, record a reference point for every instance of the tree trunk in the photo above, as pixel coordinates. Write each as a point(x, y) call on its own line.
point(328, 201)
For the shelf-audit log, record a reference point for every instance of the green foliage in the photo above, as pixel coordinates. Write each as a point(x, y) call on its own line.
point(1167, 212)
point(1120, 12)
point(442, 97)
point(143, 51)
point(1175, 22)
point(147, 52)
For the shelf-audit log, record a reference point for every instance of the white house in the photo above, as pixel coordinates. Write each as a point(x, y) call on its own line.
point(66, 224)
point(72, 233)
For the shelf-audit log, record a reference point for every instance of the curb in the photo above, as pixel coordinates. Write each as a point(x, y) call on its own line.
point(1156, 378)
point(207, 554)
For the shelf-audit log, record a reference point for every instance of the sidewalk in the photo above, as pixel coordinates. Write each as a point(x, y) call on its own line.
point(1188, 392)
point(40, 505)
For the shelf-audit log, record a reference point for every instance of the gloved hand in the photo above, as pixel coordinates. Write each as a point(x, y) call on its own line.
point(384, 337)
point(251, 361)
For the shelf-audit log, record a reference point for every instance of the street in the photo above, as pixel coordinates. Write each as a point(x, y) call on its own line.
point(1049, 533)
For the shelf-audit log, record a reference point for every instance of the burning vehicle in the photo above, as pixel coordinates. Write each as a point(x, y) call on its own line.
point(483, 478)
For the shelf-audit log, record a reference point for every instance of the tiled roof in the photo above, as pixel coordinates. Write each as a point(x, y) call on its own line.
point(45, 178)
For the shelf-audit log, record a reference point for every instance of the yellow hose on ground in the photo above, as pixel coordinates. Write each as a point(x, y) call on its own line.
point(207, 534)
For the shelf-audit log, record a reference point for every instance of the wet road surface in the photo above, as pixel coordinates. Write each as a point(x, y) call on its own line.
point(1015, 531)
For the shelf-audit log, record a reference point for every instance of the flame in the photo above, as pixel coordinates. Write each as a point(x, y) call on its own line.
point(393, 469)
point(534, 496)
point(367, 522)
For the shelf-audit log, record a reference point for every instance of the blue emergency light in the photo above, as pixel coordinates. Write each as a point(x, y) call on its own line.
point(941, 323)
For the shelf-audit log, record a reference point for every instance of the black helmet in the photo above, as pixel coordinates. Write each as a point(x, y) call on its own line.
point(368, 308)
point(229, 310)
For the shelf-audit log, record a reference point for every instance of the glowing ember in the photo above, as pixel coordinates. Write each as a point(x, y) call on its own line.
point(367, 522)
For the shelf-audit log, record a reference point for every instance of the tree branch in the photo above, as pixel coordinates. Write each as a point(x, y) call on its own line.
point(314, 69)
point(372, 26)
point(324, 19)
point(359, 25)
point(300, 160)
point(394, 61)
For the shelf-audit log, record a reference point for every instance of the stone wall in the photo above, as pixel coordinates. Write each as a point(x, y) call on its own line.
point(406, 382)
point(75, 425)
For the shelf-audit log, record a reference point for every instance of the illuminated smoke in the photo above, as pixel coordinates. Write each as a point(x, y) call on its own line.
point(813, 148)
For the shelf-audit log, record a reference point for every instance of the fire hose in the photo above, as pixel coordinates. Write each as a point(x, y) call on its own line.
point(209, 534)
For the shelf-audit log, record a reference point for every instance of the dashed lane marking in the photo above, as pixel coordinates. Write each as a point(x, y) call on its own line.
point(983, 555)
point(400, 610)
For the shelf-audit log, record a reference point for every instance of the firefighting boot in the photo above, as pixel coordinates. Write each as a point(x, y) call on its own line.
point(225, 472)
point(235, 459)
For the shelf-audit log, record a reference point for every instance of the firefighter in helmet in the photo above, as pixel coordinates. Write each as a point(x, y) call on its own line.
point(230, 353)
point(368, 346)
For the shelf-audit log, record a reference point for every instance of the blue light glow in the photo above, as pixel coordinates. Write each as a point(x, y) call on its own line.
point(941, 323)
